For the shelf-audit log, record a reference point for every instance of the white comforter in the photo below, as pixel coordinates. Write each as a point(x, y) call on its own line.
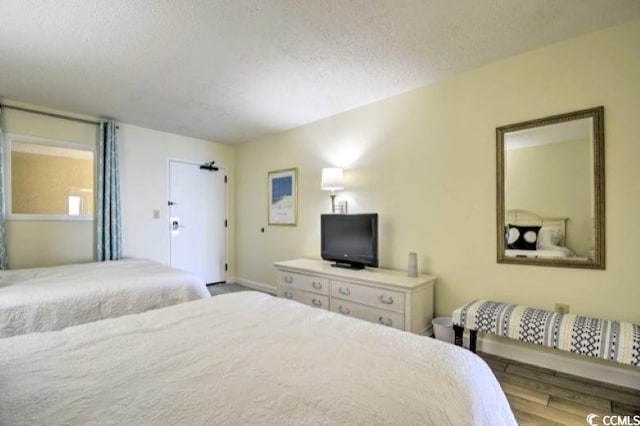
point(243, 358)
point(42, 299)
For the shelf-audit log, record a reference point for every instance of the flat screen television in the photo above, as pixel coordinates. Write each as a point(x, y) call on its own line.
point(351, 240)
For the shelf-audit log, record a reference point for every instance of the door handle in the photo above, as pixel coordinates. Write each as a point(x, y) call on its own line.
point(176, 224)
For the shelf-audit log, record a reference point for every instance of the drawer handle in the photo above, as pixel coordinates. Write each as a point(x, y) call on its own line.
point(388, 301)
point(385, 321)
point(344, 291)
point(344, 311)
point(288, 295)
point(288, 279)
point(316, 285)
point(316, 302)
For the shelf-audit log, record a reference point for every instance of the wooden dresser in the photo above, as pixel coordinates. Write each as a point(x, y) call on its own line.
point(382, 296)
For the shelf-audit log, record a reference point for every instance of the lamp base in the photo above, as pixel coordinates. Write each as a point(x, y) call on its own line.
point(341, 207)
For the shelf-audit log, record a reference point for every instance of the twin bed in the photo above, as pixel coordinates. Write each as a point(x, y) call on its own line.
point(242, 358)
point(550, 235)
point(44, 299)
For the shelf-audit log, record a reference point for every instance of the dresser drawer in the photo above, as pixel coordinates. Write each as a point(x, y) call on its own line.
point(367, 313)
point(386, 299)
point(315, 300)
point(304, 282)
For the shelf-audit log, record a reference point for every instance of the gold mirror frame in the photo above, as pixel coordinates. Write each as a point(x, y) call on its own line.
point(598, 260)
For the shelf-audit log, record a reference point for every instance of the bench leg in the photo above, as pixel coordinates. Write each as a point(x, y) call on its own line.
point(473, 336)
point(458, 331)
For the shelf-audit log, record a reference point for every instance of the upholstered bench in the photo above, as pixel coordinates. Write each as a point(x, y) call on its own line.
point(612, 340)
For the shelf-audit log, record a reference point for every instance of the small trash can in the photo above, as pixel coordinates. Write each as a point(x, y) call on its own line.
point(443, 329)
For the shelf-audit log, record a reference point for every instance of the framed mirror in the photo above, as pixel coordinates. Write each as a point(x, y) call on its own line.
point(550, 191)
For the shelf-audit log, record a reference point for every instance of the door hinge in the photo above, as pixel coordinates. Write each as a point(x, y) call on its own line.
point(226, 267)
point(225, 178)
point(225, 223)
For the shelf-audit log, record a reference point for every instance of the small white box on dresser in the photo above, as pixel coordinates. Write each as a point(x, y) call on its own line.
point(377, 295)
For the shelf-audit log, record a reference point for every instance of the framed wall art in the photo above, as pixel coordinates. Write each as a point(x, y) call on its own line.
point(283, 197)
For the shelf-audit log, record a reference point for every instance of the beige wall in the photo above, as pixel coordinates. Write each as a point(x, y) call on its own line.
point(554, 180)
point(425, 161)
point(45, 243)
point(144, 154)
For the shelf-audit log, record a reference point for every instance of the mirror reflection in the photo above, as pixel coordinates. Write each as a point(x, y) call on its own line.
point(550, 191)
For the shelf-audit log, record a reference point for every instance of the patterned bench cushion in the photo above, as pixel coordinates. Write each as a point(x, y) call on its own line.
point(612, 340)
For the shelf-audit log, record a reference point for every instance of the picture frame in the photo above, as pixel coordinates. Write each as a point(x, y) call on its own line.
point(283, 197)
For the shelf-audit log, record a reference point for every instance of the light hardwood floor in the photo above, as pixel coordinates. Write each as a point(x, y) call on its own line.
point(540, 396)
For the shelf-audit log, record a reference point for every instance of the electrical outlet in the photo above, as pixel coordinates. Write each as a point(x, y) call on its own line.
point(562, 308)
point(156, 214)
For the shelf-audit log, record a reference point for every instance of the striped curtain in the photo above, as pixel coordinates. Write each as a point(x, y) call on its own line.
point(109, 234)
point(4, 262)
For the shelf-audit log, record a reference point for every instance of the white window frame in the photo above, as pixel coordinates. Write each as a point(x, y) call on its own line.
point(8, 139)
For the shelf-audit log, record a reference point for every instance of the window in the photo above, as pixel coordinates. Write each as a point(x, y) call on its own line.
point(49, 179)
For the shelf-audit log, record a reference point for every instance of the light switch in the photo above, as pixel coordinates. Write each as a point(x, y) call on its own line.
point(156, 214)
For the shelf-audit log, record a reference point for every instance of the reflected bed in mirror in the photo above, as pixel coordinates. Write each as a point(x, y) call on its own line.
point(549, 235)
point(550, 191)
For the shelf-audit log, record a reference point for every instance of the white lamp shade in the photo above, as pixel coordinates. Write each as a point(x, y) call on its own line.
point(332, 179)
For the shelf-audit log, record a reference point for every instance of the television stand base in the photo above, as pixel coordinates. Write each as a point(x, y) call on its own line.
point(348, 265)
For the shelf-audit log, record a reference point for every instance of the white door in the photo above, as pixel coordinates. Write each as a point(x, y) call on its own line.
point(197, 220)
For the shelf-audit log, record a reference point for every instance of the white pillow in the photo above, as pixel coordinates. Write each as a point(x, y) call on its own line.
point(548, 238)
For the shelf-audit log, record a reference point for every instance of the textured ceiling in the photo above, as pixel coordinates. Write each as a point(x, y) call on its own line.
point(235, 70)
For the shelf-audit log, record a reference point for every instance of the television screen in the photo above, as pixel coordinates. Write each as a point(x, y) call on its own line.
point(351, 240)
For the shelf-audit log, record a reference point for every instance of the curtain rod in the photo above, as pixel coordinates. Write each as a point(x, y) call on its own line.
point(50, 114)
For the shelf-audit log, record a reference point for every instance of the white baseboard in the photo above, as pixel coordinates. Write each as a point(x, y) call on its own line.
point(596, 369)
point(255, 285)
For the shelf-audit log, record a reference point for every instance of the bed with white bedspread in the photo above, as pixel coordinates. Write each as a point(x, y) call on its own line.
point(548, 236)
point(43, 299)
point(243, 358)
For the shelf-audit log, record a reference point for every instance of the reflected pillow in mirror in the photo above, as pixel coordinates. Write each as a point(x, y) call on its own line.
point(522, 237)
point(548, 238)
